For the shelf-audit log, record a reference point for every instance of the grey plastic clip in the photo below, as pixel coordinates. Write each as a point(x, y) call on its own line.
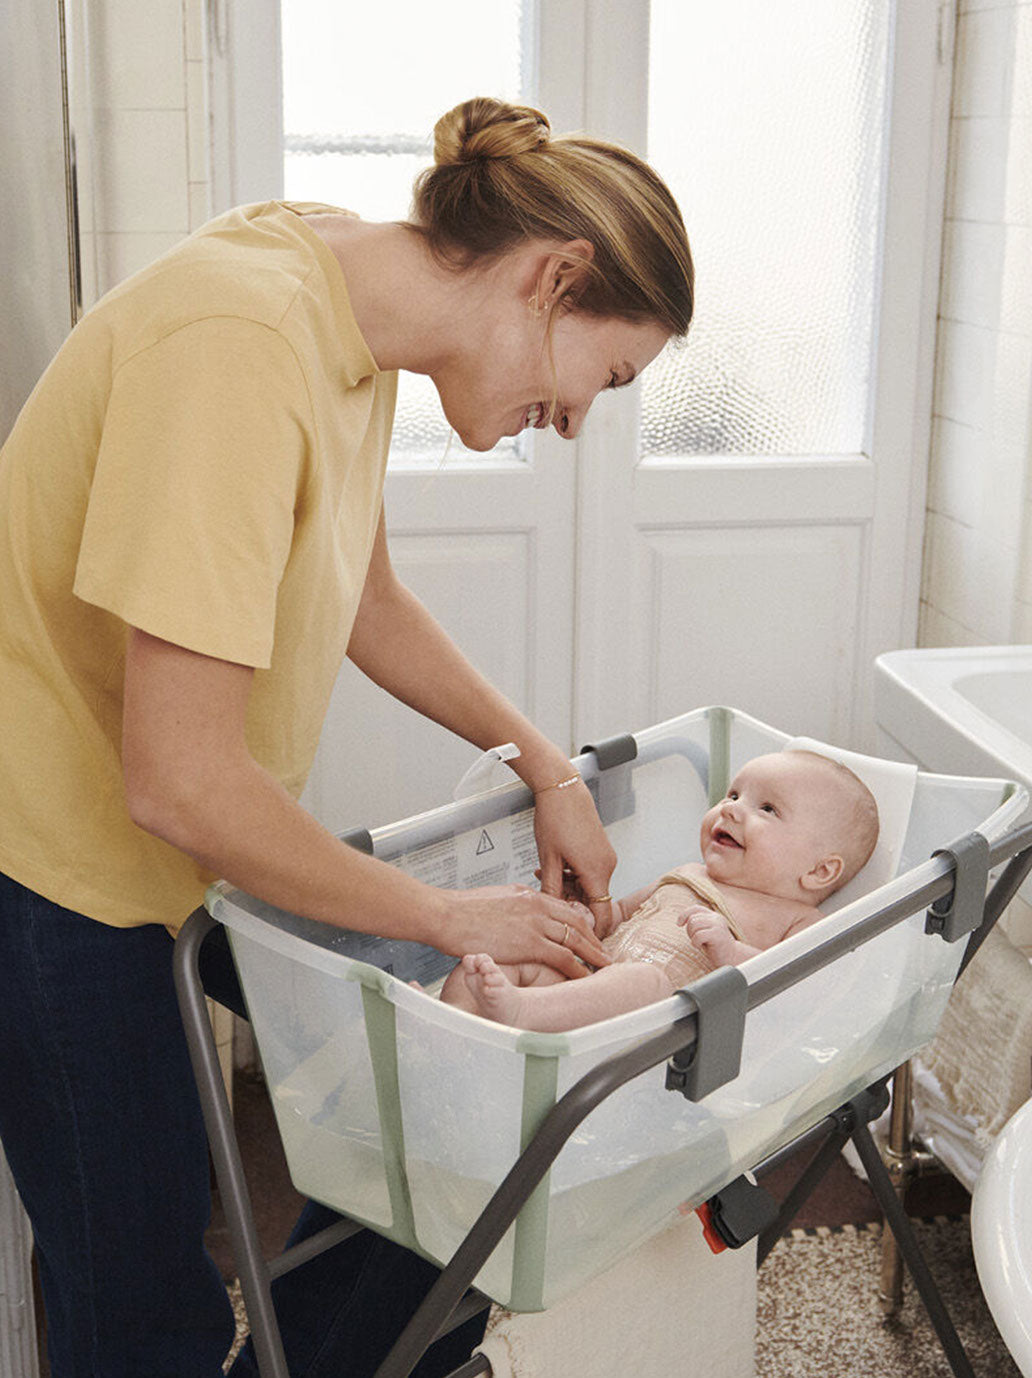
point(614, 751)
point(960, 912)
point(359, 838)
point(715, 1058)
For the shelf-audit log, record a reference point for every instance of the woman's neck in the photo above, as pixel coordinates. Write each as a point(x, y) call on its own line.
point(406, 305)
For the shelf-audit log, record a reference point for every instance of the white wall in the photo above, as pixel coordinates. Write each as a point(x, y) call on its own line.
point(977, 582)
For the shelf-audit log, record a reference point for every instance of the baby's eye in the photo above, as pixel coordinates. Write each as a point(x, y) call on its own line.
point(768, 808)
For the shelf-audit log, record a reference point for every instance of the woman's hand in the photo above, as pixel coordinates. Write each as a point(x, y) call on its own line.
point(516, 924)
point(571, 842)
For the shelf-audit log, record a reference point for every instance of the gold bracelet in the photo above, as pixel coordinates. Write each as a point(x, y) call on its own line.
point(559, 784)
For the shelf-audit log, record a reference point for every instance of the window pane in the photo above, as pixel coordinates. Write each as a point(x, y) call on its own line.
point(766, 118)
point(362, 88)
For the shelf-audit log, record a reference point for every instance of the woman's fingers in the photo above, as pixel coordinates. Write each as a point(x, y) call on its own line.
point(550, 874)
point(576, 936)
point(602, 912)
point(516, 924)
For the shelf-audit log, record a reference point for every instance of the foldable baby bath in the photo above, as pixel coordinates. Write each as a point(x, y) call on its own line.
point(407, 1115)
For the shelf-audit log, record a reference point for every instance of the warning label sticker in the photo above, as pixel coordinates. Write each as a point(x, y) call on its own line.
point(501, 853)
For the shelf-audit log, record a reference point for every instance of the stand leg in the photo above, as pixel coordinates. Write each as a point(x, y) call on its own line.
point(229, 1170)
point(897, 1165)
point(801, 1192)
point(896, 1218)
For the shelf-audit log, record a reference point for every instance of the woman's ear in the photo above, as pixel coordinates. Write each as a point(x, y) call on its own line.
point(827, 872)
point(562, 271)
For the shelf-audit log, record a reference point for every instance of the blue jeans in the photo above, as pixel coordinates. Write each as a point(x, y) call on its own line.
point(102, 1128)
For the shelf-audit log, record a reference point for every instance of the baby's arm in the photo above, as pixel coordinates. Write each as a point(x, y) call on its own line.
point(709, 932)
point(805, 920)
point(623, 909)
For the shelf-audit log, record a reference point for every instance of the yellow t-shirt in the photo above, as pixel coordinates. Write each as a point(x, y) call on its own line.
point(204, 460)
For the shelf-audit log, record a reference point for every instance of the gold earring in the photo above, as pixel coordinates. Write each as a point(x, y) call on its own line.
point(534, 306)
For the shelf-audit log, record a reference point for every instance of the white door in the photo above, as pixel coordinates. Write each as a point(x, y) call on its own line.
point(750, 524)
point(707, 539)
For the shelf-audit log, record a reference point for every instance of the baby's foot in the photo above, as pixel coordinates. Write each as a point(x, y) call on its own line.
point(494, 995)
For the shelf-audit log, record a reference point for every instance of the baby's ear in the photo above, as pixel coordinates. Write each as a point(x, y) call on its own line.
point(827, 872)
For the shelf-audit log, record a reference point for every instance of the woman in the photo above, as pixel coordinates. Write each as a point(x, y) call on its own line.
point(193, 538)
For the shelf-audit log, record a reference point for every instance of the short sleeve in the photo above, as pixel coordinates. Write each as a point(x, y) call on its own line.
point(190, 517)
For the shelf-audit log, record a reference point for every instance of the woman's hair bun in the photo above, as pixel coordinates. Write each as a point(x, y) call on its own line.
point(487, 128)
point(499, 179)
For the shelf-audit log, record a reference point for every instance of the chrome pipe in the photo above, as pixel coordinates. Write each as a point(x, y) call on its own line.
point(71, 186)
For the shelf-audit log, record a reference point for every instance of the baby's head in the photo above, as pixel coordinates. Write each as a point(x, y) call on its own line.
point(792, 824)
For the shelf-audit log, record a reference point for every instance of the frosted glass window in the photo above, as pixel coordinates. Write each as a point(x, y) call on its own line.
point(362, 88)
point(766, 117)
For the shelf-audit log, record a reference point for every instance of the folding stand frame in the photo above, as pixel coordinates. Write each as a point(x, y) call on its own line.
point(735, 1215)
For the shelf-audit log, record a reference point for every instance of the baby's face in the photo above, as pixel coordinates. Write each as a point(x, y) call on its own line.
point(772, 826)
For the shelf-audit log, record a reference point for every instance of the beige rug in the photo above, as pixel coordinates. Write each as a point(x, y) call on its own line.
point(819, 1313)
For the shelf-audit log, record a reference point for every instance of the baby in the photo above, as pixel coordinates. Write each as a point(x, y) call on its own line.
point(793, 828)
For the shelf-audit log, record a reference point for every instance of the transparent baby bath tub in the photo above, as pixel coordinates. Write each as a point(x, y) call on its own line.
point(407, 1114)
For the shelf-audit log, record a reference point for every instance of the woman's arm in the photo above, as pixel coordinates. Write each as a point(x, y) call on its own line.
point(402, 648)
point(191, 780)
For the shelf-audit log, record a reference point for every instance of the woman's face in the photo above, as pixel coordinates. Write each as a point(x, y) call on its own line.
point(509, 383)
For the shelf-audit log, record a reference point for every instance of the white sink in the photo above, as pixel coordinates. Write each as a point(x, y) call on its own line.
point(962, 711)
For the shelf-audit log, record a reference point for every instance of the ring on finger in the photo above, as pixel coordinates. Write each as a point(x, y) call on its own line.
point(601, 899)
point(566, 933)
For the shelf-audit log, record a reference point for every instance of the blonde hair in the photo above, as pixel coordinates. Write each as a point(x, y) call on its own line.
point(499, 178)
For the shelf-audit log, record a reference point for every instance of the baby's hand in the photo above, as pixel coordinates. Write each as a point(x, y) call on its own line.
point(709, 931)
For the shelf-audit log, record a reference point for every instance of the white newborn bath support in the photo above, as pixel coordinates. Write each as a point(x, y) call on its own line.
point(408, 1115)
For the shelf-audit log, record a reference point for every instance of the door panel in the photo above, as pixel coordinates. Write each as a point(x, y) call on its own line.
point(490, 553)
point(765, 617)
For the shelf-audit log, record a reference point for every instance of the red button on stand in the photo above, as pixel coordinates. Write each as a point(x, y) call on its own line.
point(710, 1232)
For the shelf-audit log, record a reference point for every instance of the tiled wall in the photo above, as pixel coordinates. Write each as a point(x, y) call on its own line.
point(977, 586)
point(145, 178)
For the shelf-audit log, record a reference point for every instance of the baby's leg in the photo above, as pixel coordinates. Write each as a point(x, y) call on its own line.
point(457, 991)
point(568, 1005)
